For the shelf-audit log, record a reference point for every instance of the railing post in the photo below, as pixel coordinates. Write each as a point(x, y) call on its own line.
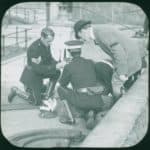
point(26, 39)
point(25, 14)
point(16, 10)
point(9, 16)
point(47, 14)
point(17, 36)
point(3, 45)
point(34, 15)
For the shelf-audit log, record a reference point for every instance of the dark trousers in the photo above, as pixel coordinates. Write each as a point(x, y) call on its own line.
point(34, 81)
point(83, 101)
point(104, 75)
point(38, 90)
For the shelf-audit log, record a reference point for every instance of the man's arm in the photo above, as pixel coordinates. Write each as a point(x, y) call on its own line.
point(52, 59)
point(65, 77)
point(34, 61)
point(120, 59)
point(113, 48)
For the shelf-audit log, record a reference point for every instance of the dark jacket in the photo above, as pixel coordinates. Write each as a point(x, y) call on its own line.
point(80, 73)
point(35, 72)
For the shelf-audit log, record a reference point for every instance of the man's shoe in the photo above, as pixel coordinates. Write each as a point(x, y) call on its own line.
point(108, 101)
point(12, 94)
point(46, 113)
point(65, 116)
point(31, 99)
point(91, 122)
point(65, 120)
point(100, 115)
point(50, 104)
point(77, 113)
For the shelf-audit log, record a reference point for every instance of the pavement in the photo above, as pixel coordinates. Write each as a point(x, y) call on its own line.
point(19, 121)
point(10, 73)
point(28, 119)
point(24, 120)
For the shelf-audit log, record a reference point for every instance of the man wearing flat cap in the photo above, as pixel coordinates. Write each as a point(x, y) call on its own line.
point(114, 69)
point(86, 93)
point(40, 65)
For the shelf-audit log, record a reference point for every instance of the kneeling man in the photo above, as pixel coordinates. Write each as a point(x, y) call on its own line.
point(86, 93)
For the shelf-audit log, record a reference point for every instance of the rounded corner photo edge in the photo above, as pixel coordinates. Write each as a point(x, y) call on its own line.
point(8, 140)
point(7, 9)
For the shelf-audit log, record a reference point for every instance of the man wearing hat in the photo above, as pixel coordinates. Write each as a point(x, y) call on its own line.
point(86, 93)
point(40, 65)
point(117, 48)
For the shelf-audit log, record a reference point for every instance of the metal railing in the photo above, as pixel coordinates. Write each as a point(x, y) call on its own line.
point(28, 15)
point(15, 38)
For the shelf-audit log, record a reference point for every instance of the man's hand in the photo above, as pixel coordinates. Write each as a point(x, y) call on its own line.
point(123, 77)
point(61, 65)
point(36, 60)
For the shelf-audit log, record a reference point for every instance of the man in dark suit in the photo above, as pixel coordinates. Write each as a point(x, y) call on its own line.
point(118, 47)
point(86, 93)
point(40, 65)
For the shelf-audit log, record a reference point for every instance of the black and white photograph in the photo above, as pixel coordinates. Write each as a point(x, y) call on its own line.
point(74, 74)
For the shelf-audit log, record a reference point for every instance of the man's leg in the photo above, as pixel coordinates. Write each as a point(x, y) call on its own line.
point(63, 93)
point(53, 80)
point(66, 94)
point(64, 111)
point(130, 81)
point(81, 101)
point(89, 116)
point(104, 74)
point(108, 102)
point(36, 94)
point(89, 104)
point(16, 91)
point(117, 86)
point(33, 96)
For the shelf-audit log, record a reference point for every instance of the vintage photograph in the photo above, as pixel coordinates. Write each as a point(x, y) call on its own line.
point(74, 74)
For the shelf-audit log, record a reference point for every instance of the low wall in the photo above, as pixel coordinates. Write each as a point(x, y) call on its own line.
point(139, 129)
point(127, 122)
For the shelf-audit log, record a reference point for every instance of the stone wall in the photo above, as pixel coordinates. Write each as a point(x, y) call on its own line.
point(127, 121)
point(139, 129)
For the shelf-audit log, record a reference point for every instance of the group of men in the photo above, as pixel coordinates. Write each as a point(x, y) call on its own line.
point(96, 82)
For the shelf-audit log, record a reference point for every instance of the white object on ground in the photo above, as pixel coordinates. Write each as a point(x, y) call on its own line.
point(50, 105)
point(44, 108)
